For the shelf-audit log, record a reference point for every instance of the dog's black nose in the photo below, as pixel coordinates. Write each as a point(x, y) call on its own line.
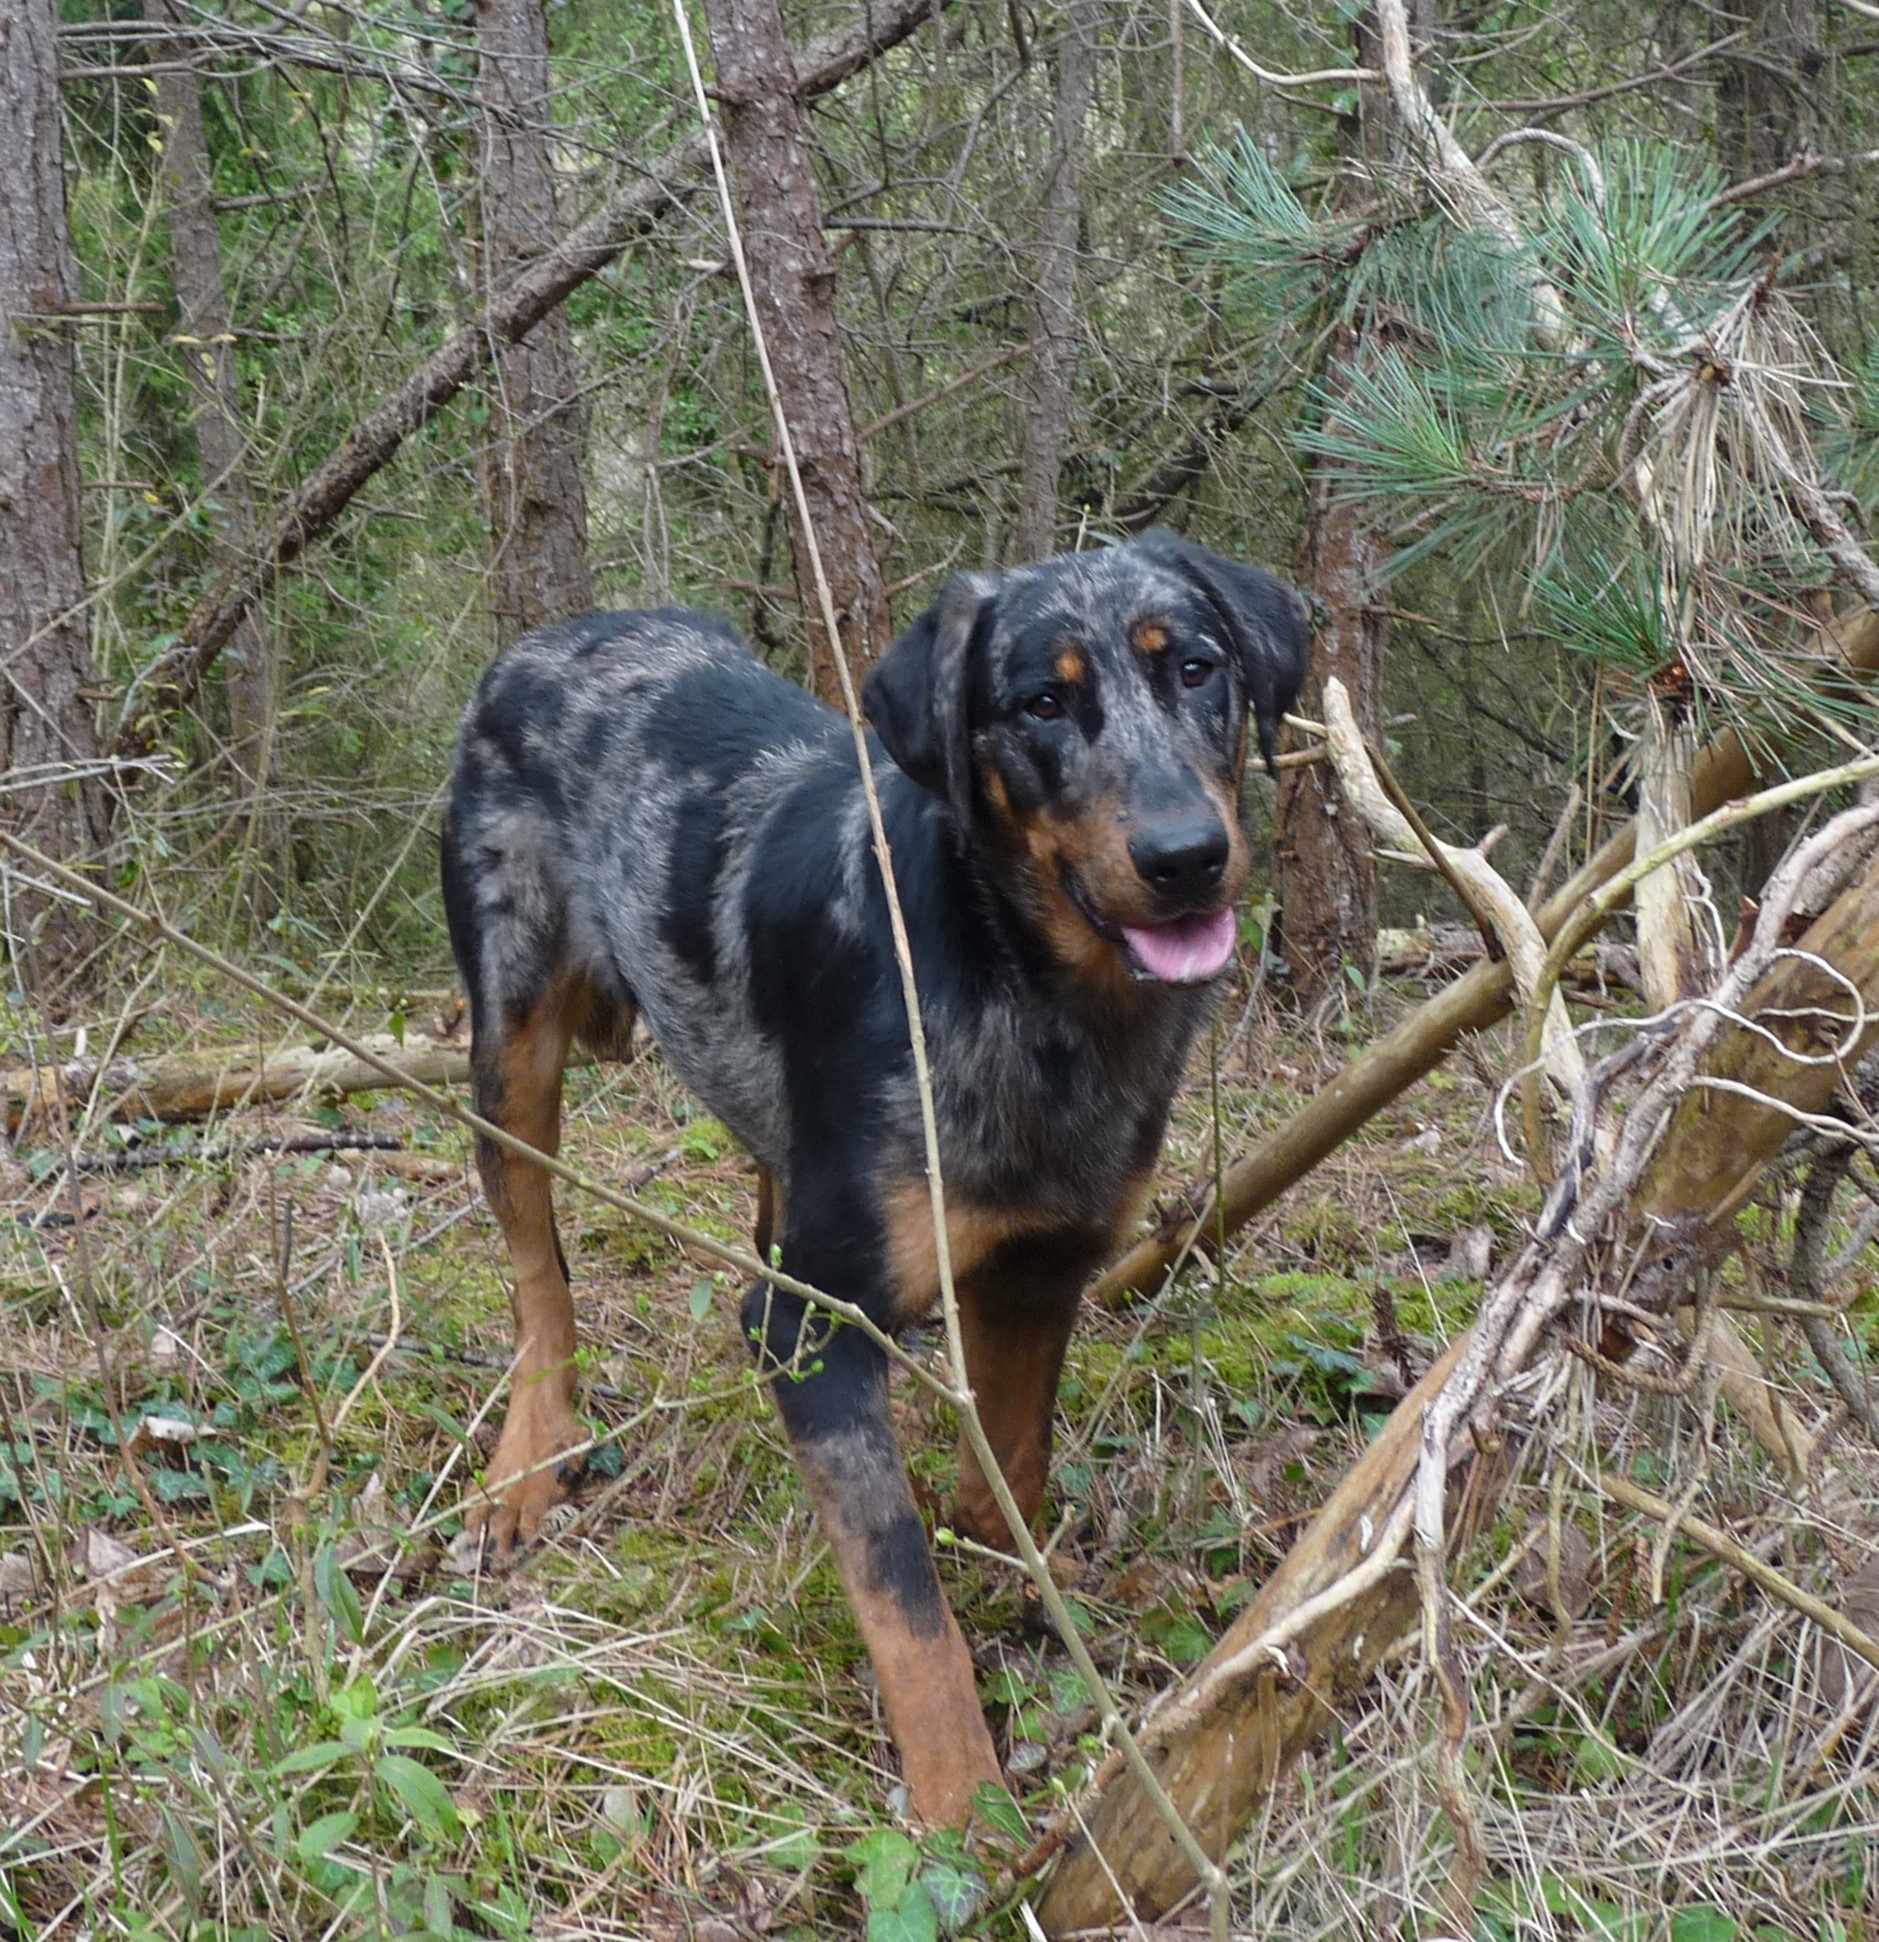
point(1182, 857)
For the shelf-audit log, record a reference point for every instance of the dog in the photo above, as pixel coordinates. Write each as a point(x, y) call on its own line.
point(645, 822)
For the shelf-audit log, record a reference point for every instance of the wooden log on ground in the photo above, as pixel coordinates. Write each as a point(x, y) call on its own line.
point(190, 1085)
point(1247, 1712)
point(1726, 768)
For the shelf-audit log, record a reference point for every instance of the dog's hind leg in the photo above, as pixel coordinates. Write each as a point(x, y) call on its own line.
point(516, 1062)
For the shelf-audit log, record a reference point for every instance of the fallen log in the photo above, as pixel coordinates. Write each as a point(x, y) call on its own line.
point(1688, 1148)
point(190, 1085)
point(1726, 768)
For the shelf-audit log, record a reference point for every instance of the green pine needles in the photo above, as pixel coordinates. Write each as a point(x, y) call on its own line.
point(1624, 423)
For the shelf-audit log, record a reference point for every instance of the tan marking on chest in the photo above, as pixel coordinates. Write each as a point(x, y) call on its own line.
point(972, 1233)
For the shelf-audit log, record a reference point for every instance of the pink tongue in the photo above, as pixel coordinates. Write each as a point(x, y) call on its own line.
point(1188, 951)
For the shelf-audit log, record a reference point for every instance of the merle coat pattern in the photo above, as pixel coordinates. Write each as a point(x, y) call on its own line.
point(645, 822)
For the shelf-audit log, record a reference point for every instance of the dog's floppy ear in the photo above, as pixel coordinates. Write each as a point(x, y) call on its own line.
point(916, 693)
point(1264, 618)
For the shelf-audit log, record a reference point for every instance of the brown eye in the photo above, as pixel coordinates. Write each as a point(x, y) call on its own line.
point(1194, 674)
point(1046, 707)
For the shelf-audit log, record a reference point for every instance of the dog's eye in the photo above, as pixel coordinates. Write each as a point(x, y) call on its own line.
point(1045, 707)
point(1194, 674)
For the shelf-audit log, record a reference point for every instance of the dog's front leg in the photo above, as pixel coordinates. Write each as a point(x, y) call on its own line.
point(831, 1389)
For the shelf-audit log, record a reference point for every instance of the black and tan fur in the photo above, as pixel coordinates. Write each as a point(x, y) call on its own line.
point(644, 822)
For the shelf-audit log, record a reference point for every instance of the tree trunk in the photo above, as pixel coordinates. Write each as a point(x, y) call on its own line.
point(1768, 97)
point(50, 691)
point(1053, 295)
point(1327, 873)
point(207, 346)
point(792, 273)
point(537, 502)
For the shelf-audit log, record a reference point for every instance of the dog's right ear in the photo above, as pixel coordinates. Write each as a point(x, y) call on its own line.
point(916, 693)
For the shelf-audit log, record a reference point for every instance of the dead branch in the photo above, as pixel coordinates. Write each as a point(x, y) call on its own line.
point(1776, 1583)
point(1682, 1155)
point(190, 1085)
point(1482, 888)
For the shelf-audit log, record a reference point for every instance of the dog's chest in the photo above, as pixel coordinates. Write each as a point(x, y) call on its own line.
point(1036, 1112)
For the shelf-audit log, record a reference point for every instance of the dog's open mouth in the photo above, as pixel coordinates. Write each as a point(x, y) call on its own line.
point(1184, 950)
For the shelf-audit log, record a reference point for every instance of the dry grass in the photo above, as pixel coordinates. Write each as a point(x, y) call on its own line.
point(246, 1688)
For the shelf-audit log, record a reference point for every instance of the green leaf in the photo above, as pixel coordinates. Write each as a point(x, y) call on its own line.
point(319, 1838)
point(1704, 1923)
point(314, 1759)
point(183, 1857)
point(912, 1918)
point(335, 1592)
point(699, 1300)
point(424, 1797)
point(420, 1736)
point(883, 1860)
point(999, 1811)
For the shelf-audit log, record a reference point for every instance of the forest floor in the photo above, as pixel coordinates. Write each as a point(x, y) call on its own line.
point(249, 1686)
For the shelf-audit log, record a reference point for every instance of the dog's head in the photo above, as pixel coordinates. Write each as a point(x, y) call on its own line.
point(1086, 719)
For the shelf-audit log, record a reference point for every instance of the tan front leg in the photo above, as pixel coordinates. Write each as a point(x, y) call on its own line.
point(1014, 1344)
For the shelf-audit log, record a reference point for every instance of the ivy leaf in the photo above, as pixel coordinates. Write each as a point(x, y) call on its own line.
point(956, 1889)
point(912, 1918)
point(884, 1861)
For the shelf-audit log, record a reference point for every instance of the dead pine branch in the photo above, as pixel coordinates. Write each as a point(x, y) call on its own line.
point(1691, 1113)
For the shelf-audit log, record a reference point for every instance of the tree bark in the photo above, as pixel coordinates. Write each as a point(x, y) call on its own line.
point(1326, 874)
point(1053, 293)
point(49, 692)
point(1326, 866)
point(537, 501)
point(207, 345)
point(510, 314)
point(792, 274)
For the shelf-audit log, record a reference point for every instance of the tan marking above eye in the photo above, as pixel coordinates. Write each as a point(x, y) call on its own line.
point(1069, 664)
point(1149, 637)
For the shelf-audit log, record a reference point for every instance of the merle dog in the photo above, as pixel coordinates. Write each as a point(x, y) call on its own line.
point(645, 822)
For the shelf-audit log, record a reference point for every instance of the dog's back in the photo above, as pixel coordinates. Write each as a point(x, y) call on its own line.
point(609, 777)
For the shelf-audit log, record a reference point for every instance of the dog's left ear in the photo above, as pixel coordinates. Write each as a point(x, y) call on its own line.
point(916, 693)
point(1264, 618)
